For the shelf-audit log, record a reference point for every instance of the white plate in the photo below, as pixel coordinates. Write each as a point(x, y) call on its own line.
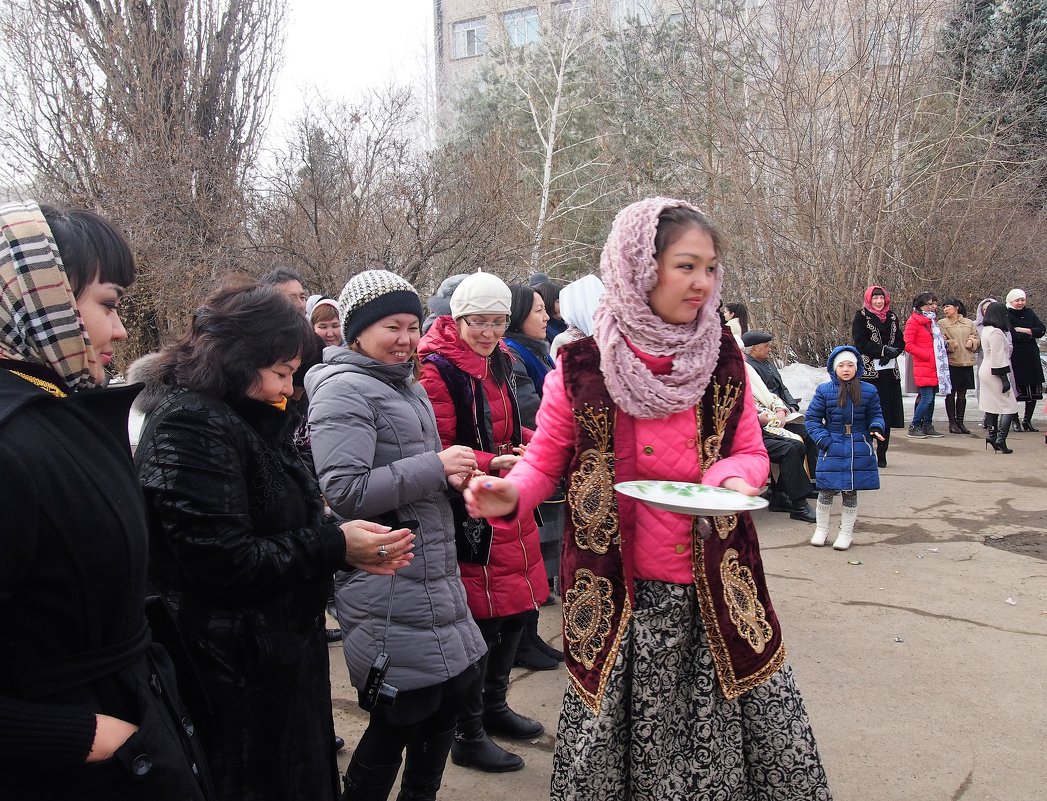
point(686, 498)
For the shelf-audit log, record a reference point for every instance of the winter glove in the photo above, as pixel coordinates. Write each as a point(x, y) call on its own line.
point(1004, 375)
point(890, 353)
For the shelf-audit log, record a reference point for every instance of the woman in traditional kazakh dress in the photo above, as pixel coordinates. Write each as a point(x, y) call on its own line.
point(679, 686)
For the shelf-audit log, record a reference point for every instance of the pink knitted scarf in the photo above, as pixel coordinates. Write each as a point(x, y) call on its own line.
point(629, 273)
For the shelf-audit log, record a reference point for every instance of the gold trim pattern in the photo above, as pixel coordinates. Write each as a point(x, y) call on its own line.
point(731, 685)
point(743, 604)
point(590, 495)
point(46, 386)
point(593, 700)
point(725, 398)
point(588, 608)
point(725, 524)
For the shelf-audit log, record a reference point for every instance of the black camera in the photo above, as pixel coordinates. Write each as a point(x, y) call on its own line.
point(376, 691)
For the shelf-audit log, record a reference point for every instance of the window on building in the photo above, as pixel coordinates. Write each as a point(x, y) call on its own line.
point(623, 11)
point(571, 12)
point(469, 38)
point(521, 26)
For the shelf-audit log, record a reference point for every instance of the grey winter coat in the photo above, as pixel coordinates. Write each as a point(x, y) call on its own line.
point(375, 447)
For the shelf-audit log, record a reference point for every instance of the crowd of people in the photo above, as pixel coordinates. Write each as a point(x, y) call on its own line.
point(431, 480)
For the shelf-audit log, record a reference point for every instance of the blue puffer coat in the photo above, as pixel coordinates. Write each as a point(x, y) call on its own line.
point(846, 456)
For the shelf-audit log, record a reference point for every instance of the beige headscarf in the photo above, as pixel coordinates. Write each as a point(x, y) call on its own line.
point(39, 319)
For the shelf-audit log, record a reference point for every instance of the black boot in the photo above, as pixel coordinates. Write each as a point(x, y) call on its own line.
point(424, 770)
point(961, 410)
point(1006, 421)
point(950, 411)
point(472, 748)
point(529, 654)
point(363, 783)
point(1030, 407)
point(991, 430)
point(498, 718)
point(801, 510)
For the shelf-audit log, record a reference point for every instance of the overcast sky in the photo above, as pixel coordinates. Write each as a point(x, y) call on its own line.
point(342, 48)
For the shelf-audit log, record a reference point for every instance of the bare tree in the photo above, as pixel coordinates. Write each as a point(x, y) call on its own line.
point(355, 188)
point(150, 112)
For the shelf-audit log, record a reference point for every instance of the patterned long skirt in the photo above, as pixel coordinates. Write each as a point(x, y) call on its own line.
point(665, 730)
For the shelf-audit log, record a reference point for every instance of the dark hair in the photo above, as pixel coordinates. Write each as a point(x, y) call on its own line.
point(550, 293)
point(923, 298)
point(741, 313)
point(240, 328)
point(996, 315)
point(951, 301)
point(520, 306)
point(672, 222)
point(281, 275)
point(91, 247)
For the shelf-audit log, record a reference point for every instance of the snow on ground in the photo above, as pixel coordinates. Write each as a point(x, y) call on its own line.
point(802, 380)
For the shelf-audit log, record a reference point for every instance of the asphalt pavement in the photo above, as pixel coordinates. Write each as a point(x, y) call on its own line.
point(923, 666)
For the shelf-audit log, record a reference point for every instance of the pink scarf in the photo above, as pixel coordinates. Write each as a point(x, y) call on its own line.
point(882, 314)
point(629, 273)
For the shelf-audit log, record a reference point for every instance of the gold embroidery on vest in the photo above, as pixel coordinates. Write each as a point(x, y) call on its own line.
point(587, 612)
point(725, 524)
point(747, 613)
point(725, 398)
point(590, 498)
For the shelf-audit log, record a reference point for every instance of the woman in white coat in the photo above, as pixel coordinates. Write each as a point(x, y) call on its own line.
point(995, 397)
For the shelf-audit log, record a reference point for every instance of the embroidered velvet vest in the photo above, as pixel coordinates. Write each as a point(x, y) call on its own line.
point(596, 569)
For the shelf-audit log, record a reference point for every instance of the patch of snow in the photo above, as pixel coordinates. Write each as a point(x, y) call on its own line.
point(802, 380)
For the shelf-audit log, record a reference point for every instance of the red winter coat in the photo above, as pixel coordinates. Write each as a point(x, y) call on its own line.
point(514, 579)
point(919, 343)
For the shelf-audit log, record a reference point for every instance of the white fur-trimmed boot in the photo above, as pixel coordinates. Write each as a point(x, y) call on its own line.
point(847, 517)
point(822, 512)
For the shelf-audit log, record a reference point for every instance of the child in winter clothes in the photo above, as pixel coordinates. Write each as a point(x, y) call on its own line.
point(842, 417)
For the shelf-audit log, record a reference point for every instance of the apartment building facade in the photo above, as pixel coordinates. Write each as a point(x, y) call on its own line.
point(464, 30)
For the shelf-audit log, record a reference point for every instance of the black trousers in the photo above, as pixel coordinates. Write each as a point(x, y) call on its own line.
point(789, 455)
point(809, 445)
point(385, 740)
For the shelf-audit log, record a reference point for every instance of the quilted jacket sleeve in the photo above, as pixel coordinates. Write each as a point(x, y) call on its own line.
point(443, 407)
point(549, 452)
point(193, 474)
point(343, 433)
point(815, 417)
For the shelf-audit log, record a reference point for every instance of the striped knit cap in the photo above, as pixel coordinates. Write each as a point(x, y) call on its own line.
point(372, 295)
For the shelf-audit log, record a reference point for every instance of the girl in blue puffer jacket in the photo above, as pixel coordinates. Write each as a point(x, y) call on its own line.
point(843, 417)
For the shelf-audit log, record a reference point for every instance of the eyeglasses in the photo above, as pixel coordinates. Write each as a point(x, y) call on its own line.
point(498, 327)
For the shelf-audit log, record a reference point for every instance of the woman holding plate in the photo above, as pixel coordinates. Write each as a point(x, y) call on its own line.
point(679, 685)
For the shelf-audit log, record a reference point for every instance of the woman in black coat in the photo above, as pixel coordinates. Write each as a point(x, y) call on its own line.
point(1026, 328)
point(88, 703)
point(239, 549)
point(878, 336)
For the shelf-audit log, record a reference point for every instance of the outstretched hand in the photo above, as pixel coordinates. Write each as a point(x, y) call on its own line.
point(366, 542)
point(489, 496)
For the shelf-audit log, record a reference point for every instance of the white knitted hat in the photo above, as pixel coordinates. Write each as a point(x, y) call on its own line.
point(373, 295)
point(481, 293)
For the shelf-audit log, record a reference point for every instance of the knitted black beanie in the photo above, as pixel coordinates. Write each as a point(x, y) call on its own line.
point(372, 295)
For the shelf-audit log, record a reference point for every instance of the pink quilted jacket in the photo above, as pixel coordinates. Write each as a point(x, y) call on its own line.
point(666, 449)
